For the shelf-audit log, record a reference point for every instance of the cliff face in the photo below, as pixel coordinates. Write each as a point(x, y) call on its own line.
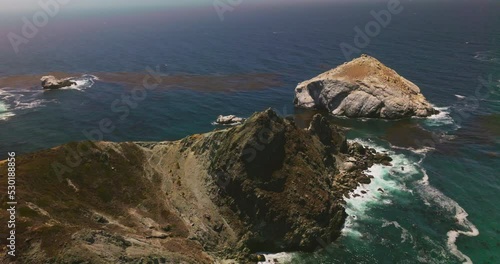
point(265, 185)
point(363, 87)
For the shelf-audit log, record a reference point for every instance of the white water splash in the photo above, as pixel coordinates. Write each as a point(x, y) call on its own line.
point(32, 103)
point(421, 151)
point(405, 235)
point(5, 114)
point(383, 178)
point(432, 195)
point(277, 258)
point(12, 101)
point(443, 118)
point(82, 83)
point(384, 186)
point(233, 124)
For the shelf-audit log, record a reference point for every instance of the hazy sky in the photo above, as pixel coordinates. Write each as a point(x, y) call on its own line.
point(33, 5)
point(27, 5)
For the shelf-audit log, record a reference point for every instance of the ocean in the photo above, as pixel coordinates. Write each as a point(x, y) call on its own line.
point(438, 203)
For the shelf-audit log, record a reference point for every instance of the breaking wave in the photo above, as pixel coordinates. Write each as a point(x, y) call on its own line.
point(277, 258)
point(382, 189)
point(4, 112)
point(31, 103)
point(443, 118)
point(434, 196)
point(82, 83)
point(405, 235)
point(389, 185)
point(12, 101)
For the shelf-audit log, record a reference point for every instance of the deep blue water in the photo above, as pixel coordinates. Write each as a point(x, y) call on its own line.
point(446, 48)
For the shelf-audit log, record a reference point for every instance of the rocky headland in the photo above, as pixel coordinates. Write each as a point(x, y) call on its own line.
point(220, 197)
point(363, 87)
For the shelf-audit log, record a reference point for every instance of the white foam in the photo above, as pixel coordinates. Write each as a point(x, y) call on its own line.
point(459, 96)
point(432, 195)
point(3, 107)
point(232, 124)
point(82, 83)
point(4, 112)
point(12, 101)
point(425, 179)
point(93, 77)
point(369, 143)
point(6, 116)
point(405, 235)
point(34, 103)
point(443, 118)
point(421, 151)
point(277, 258)
point(383, 178)
point(8, 95)
point(387, 181)
point(351, 227)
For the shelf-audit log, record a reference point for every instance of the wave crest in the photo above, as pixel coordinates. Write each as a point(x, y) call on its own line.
point(433, 195)
point(393, 182)
point(4, 112)
point(82, 83)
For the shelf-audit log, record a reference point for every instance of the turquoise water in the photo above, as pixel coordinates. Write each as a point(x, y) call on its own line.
point(444, 180)
point(429, 196)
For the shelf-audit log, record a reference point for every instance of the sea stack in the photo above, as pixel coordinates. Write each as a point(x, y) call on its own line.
point(50, 82)
point(363, 87)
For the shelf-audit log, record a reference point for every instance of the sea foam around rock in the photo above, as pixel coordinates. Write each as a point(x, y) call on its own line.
point(388, 185)
point(82, 83)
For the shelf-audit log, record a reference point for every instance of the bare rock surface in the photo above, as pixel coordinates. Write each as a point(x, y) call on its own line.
point(229, 120)
point(363, 87)
point(51, 82)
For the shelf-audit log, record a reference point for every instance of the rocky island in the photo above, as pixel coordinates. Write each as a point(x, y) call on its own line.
point(220, 197)
point(363, 87)
point(50, 82)
point(229, 120)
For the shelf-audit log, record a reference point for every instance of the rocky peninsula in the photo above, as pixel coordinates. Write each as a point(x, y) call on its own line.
point(363, 87)
point(220, 197)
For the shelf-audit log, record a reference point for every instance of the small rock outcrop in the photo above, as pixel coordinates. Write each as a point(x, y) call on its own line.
point(229, 120)
point(363, 87)
point(50, 82)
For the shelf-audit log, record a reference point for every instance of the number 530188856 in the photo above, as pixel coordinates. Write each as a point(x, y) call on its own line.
point(11, 164)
